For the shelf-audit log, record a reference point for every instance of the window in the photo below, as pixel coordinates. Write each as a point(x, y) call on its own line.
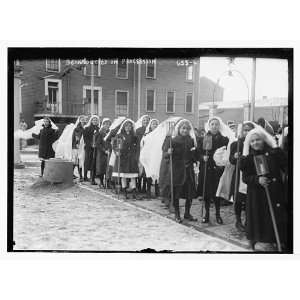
point(87, 70)
point(52, 65)
point(151, 70)
point(189, 72)
point(122, 69)
point(121, 103)
point(170, 102)
point(53, 95)
point(87, 99)
point(189, 102)
point(150, 100)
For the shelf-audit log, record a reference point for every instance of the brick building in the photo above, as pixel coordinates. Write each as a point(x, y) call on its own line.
point(61, 89)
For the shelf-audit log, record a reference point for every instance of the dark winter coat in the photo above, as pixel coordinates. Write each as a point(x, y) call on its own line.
point(259, 224)
point(213, 172)
point(101, 157)
point(47, 137)
point(182, 165)
point(89, 137)
point(128, 157)
point(76, 137)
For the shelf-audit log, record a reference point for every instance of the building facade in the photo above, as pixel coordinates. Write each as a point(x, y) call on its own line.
point(62, 89)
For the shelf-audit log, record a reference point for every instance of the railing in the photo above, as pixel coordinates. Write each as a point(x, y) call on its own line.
point(67, 108)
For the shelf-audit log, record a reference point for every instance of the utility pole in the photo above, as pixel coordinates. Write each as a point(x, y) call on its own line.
point(139, 90)
point(92, 87)
point(253, 84)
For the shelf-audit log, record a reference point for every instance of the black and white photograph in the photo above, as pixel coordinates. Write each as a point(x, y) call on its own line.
point(150, 150)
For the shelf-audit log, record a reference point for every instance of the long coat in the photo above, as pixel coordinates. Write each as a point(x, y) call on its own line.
point(259, 224)
point(89, 137)
point(47, 137)
point(213, 172)
point(101, 156)
point(182, 167)
point(139, 134)
point(128, 157)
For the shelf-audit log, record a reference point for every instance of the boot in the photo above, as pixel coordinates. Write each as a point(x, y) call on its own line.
point(85, 178)
point(80, 174)
point(156, 188)
point(207, 206)
point(177, 215)
point(217, 201)
point(139, 183)
point(148, 188)
point(187, 214)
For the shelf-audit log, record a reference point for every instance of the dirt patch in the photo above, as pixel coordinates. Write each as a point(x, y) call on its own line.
point(43, 186)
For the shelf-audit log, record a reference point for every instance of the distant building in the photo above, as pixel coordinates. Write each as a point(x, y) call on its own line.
point(272, 109)
point(161, 88)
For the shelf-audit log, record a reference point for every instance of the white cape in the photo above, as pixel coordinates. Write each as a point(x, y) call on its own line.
point(151, 153)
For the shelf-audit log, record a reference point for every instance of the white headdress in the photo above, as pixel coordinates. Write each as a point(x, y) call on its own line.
point(90, 120)
point(139, 122)
point(38, 125)
point(149, 125)
point(151, 153)
point(269, 139)
point(103, 121)
point(192, 132)
point(117, 122)
point(224, 129)
point(126, 121)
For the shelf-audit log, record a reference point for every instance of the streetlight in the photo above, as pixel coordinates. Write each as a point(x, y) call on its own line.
point(230, 73)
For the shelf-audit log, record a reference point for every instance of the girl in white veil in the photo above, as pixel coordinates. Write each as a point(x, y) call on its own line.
point(259, 226)
point(220, 135)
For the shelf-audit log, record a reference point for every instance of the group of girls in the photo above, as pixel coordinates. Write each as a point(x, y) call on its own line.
point(132, 157)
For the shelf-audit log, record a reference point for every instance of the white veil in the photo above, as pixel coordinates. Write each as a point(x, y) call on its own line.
point(27, 134)
point(125, 121)
point(90, 120)
point(151, 153)
point(139, 122)
point(268, 138)
point(117, 122)
point(103, 121)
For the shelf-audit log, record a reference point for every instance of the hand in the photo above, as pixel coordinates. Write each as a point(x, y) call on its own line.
point(264, 181)
point(170, 150)
point(107, 152)
point(236, 155)
point(205, 158)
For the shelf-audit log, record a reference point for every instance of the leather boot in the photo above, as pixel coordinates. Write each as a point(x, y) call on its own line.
point(207, 206)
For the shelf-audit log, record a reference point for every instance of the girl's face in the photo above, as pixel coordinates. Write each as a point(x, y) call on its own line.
point(214, 126)
point(128, 127)
point(256, 142)
point(145, 121)
point(47, 122)
point(153, 125)
point(95, 121)
point(106, 124)
point(184, 130)
point(82, 120)
point(246, 129)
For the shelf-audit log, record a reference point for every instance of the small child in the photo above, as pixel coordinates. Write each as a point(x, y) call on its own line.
point(47, 137)
point(183, 146)
point(126, 166)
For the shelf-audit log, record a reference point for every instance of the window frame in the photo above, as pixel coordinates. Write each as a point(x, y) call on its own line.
point(148, 77)
point(154, 100)
point(171, 112)
point(99, 89)
point(52, 71)
point(185, 101)
point(116, 102)
point(187, 72)
point(59, 96)
point(117, 68)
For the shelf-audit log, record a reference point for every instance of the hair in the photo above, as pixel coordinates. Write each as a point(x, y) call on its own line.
point(185, 123)
point(248, 124)
point(214, 119)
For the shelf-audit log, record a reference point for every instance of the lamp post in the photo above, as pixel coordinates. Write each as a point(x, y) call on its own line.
point(231, 73)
